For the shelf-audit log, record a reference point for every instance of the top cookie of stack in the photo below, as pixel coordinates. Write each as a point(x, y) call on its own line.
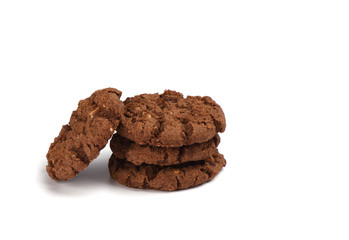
point(170, 120)
point(167, 142)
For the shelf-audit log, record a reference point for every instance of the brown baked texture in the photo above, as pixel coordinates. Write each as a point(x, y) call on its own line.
point(166, 178)
point(89, 129)
point(138, 154)
point(170, 120)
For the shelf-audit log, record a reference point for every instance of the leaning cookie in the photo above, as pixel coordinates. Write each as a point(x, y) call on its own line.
point(89, 129)
point(170, 120)
point(166, 178)
point(138, 154)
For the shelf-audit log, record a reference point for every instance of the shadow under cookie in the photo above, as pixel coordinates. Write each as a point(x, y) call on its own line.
point(166, 178)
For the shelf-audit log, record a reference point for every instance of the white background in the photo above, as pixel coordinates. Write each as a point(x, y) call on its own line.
point(279, 69)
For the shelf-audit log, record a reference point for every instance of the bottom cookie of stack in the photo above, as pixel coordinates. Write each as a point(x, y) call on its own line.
point(166, 178)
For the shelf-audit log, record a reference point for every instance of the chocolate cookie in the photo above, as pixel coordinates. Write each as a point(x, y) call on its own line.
point(139, 154)
point(168, 178)
point(170, 120)
point(89, 129)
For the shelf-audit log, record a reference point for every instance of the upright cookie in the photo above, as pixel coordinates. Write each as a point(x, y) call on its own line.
point(166, 178)
point(89, 129)
point(139, 154)
point(170, 120)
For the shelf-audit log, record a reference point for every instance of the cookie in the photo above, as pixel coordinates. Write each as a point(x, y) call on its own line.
point(139, 154)
point(170, 120)
point(89, 129)
point(166, 178)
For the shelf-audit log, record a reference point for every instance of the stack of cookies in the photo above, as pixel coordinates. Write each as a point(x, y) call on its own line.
point(167, 142)
point(163, 142)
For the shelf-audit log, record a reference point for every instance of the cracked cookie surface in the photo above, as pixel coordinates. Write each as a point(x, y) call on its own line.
point(138, 154)
point(170, 120)
point(89, 129)
point(166, 178)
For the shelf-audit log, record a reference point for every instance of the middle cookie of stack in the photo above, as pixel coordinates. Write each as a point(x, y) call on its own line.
point(132, 152)
point(167, 142)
